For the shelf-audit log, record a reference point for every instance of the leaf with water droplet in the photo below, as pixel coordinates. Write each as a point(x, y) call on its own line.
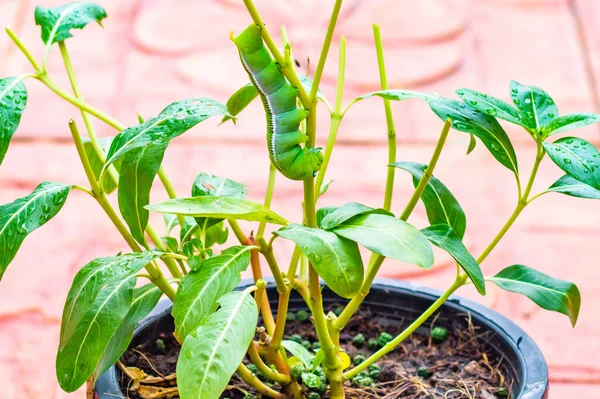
point(568, 185)
point(537, 108)
point(17, 219)
point(570, 122)
point(56, 23)
point(12, 92)
point(575, 156)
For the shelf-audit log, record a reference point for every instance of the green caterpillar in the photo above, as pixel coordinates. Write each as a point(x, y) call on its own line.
point(279, 98)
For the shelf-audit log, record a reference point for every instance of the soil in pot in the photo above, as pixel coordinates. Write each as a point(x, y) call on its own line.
point(462, 366)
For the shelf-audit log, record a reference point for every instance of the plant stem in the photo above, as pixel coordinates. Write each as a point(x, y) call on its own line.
point(324, 51)
point(389, 183)
point(156, 275)
point(24, 50)
point(377, 260)
point(336, 117)
point(287, 69)
point(158, 242)
point(265, 370)
point(267, 251)
point(390, 346)
point(257, 384)
point(268, 197)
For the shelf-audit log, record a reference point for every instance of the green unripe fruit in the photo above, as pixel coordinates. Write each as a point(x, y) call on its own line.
point(290, 317)
point(306, 344)
point(372, 343)
point(358, 359)
point(296, 338)
point(358, 340)
point(297, 371)
point(302, 315)
point(384, 338)
point(424, 372)
point(439, 334)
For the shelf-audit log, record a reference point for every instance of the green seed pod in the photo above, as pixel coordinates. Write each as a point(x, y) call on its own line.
point(358, 359)
point(302, 315)
point(439, 334)
point(384, 338)
point(358, 340)
point(424, 372)
point(296, 338)
point(297, 371)
point(372, 343)
point(290, 317)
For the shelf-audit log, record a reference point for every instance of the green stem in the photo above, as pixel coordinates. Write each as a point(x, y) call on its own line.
point(257, 384)
point(158, 242)
point(336, 117)
point(325, 51)
point(265, 370)
point(389, 183)
point(156, 275)
point(24, 50)
point(390, 346)
point(377, 260)
point(267, 251)
point(268, 197)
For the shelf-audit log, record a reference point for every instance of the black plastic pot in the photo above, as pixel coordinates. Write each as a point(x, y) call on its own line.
point(522, 358)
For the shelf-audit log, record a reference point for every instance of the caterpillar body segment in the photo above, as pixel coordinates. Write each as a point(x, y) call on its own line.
point(280, 101)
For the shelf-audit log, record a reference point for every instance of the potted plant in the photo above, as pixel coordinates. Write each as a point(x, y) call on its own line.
point(334, 326)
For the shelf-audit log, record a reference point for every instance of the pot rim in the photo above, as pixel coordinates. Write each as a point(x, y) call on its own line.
point(534, 371)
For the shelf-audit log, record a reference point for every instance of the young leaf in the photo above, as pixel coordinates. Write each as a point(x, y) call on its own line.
point(537, 108)
point(307, 83)
point(341, 214)
point(325, 187)
point(549, 293)
point(490, 105)
point(299, 351)
point(13, 99)
point(387, 236)
point(173, 121)
point(91, 279)
point(218, 207)
point(482, 125)
point(211, 354)
point(211, 185)
point(573, 187)
point(570, 122)
point(440, 204)
point(57, 22)
point(336, 259)
point(399, 95)
point(577, 157)
point(81, 353)
point(170, 222)
point(201, 289)
point(22, 216)
point(442, 236)
point(144, 300)
point(240, 100)
point(109, 184)
point(138, 171)
point(216, 234)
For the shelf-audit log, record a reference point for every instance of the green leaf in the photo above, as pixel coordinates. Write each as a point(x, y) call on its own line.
point(325, 187)
point(240, 100)
point(490, 105)
point(536, 107)
point(299, 351)
point(323, 212)
point(170, 222)
point(387, 236)
point(214, 186)
point(80, 355)
point(138, 171)
point(57, 22)
point(440, 204)
point(171, 244)
point(577, 157)
point(319, 357)
point(90, 281)
point(13, 99)
point(482, 125)
point(218, 207)
point(201, 289)
point(336, 259)
point(216, 234)
point(212, 353)
point(570, 122)
point(399, 95)
point(340, 214)
point(442, 236)
point(22, 216)
point(109, 184)
point(173, 121)
point(547, 292)
point(307, 83)
point(144, 300)
point(573, 187)
point(472, 144)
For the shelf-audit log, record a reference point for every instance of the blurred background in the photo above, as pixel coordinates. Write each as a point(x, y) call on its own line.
point(153, 52)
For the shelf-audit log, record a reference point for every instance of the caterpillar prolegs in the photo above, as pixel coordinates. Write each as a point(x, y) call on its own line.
point(279, 98)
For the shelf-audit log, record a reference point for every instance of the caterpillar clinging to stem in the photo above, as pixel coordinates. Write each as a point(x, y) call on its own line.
point(279, 98)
